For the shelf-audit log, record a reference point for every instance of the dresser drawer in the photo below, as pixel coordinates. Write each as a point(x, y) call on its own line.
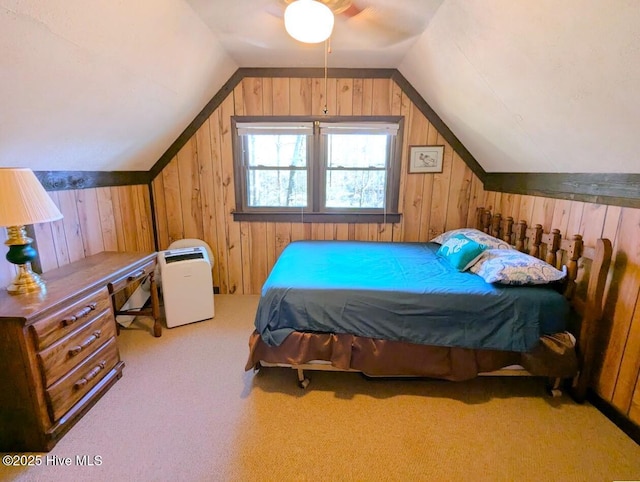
point(63, 355)
point(66, 392)
point(133, 275)
point(50, 329)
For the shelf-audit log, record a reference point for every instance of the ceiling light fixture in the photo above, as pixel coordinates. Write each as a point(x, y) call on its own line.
point(308, 21)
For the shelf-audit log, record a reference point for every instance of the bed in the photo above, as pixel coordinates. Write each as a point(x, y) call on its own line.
point(406, 309)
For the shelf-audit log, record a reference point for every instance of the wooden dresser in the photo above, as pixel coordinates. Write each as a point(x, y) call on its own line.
point(59, 351)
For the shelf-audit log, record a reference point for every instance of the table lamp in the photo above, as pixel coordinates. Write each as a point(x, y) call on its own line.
point(23, 201)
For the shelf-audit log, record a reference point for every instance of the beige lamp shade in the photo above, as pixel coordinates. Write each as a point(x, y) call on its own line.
point(23, 200)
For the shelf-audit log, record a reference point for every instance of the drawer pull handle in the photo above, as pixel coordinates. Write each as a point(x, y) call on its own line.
point(80, 314)
point(91, 375)
point(136, 275)
point(78, 348)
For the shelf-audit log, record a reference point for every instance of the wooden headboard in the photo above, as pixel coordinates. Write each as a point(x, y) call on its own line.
point(588, 263)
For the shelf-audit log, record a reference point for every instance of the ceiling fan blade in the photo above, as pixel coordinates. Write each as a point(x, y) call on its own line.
point(385, 22)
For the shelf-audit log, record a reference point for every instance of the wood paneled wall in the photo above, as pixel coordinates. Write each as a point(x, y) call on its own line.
point(95, 220)
point(618, 372)
point(194, 194)
point(194, 198)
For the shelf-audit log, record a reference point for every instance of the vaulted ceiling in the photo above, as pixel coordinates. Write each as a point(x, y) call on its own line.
point(108, 85)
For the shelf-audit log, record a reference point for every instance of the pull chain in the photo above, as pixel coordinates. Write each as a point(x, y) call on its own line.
point(327, 50)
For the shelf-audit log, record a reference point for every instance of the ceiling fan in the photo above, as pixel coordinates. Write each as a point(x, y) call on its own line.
point(372, 23)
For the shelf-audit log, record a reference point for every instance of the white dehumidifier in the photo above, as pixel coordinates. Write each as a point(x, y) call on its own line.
point(187, 285)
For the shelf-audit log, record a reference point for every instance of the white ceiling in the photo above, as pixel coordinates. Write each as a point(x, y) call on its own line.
point(541, 86)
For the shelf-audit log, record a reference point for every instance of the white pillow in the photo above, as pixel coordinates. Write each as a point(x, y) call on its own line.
point(511, 267)
point(475, 235)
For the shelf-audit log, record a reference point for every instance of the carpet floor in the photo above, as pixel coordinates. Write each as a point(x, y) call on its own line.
point(185, 410)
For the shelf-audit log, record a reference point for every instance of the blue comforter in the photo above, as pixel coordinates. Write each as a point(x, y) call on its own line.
point(403, 292)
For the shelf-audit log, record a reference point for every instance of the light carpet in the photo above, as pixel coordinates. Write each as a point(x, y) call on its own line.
point(186, 410)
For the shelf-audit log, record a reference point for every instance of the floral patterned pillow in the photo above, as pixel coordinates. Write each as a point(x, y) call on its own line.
point(512, 267)
point(474, 235)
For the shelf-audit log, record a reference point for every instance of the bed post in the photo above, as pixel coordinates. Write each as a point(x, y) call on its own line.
point(574, 252)
point(496, 221)
point(591, 316)
point(486, 221)
point(521, 234)
point(536, 241)
point(508, 230)
point(553, 247)
point(479, 214)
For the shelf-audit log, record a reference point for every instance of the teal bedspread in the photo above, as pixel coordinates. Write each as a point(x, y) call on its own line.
point(403, 292)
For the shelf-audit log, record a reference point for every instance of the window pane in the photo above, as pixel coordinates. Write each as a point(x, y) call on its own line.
point(276, 150)
point(355, 189)
point(277, 188)
point(357, 150)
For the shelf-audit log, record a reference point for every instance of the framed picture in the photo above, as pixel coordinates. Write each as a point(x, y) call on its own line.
point(425, 159)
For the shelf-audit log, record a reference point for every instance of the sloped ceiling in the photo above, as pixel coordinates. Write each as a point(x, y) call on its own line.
point(102, 84)
point(526, 86)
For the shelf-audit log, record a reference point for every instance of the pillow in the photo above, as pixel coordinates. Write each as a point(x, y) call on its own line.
point(461, 252)
point(474, 235)
point(511, 267)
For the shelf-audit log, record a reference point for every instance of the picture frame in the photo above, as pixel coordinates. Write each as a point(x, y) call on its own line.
point(425, 159)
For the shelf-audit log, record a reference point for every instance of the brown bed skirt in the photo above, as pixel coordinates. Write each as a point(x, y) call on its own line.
point(554, 357)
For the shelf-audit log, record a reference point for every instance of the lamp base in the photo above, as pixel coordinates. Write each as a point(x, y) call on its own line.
point(21, 253)
point(26, 281)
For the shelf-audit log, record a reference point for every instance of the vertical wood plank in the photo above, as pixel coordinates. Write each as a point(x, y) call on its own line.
point(592, 223)
point(526, 208)
point(474, 200)
point(543, 212)
point(59, 238)
point(220, 182)
point(117, 218)
point(319, 95)
point(161, 212)
point(107, 220)
point(71, 222)
point(626, 387)
point(128, 202)
point(190, 191)
point(258, 258)
point(89, 218)
point(143, 218)
point(356, 108)
point(173, 200)
point(575, 219)
point(283, 237)
point(267, 96)
point(413, 197)
point(281, 95)
point(233, 243)
point(252, 92)
point(344, 94)
point(560, 219)
point(440, 195)
point(300, 96)
point(621, 304)
point(459, 192)
point(207, 195)
point(245, 253)
point(43, 243)
point(381, 97)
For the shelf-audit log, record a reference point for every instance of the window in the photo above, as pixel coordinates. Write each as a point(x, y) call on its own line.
point(317, 170)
